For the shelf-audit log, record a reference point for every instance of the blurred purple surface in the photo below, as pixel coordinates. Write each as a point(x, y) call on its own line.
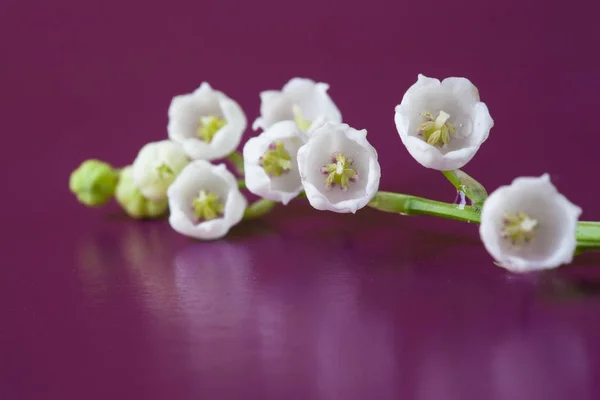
point(303, 304)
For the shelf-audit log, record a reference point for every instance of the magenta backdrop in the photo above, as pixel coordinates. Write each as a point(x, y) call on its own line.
point(302, 305)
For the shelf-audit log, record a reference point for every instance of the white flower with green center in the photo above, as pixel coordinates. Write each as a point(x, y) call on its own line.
point(205, 201)
point(207, 123)
point(529, 225)
point(339, 168)
point(442, 124)
point(270, 163)
point(301, 100)
point(156, 167)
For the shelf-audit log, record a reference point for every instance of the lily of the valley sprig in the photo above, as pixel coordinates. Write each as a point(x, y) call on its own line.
point(304, 149)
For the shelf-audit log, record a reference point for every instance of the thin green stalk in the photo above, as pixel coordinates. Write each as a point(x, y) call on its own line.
point(588, 236)
point(259, 208)
point(412, 205)
point(237, 159)
point(469, 186)
point(588, 233)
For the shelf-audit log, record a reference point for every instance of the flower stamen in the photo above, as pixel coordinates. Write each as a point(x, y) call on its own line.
point(302, 123)
point(207, 206)
point(438, 131)
point(339, 172)
point(164, 171)
point(518, 228)
point(276, 161)
point(209, 126)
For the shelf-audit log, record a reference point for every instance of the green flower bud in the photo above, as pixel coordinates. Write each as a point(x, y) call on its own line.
point(133, 201)
point(94, 182)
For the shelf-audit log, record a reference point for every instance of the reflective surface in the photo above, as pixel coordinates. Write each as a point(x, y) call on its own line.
point(316, 307)
point(303, 304)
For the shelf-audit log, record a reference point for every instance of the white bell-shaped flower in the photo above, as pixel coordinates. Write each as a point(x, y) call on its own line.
point(301, 100)
point(156, 167)
point(205, 201)
point(529, 225)
point(442, 124)
point(270, 163)
point(339, 168)
point(208, 124)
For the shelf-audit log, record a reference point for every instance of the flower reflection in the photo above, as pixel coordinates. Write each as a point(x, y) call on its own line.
point(133, 258)
point(543, 361)
point(95, 255)
point(355, 347)
point(213, 282)
point(547, 362)
point(568, 288)
point(147, 254)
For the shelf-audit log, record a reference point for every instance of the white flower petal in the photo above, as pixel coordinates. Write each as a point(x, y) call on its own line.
point(462, 88)
point(555, 238)
point(311, 98)
point(201, 175)
point(325, 141)
point(185, 112)
point(455, 96)
point(278, 188)
point(274, 107)
point(146, 169)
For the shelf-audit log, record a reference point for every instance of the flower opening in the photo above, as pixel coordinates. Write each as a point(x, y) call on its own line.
point(518, 228)
point(339, 172)
point(439, 131)
point(276, 161)
point(207, 206)
point(528, 225)
point(205, 201)
point(209, 126)
point(207, 123)
point(163, 171)
point(324, 162)
point(442, 123)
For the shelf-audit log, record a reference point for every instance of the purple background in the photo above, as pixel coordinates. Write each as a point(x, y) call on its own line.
point(302, 304)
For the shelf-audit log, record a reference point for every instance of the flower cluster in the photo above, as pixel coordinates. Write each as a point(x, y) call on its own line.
point(302, 147)
point(333, 163)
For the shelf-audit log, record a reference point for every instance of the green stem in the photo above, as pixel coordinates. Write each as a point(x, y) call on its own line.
point(237, 159)
point(259, 208)
point(588, 236)
point(241, 184)
point(412, 205)
point(588, 232)
point(470, 187)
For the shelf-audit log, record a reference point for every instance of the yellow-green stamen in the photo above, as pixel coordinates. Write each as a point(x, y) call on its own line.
point(339, 172)
point(164, 171)
point(209, 126)
point(438, 131)
point(518, 228)
point(207, 206)
point(302, 123)
point(276, 161)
